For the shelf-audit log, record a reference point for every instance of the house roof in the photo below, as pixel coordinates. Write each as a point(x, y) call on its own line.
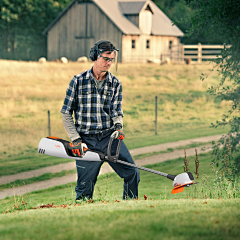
point(161, 24)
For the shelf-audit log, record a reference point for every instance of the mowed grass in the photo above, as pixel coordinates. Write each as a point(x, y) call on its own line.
point(30, 89)
point(162, 219)
point(109, 187)
point(187, 215)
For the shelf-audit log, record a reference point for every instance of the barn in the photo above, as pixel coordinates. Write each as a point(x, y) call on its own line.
point(139, 29)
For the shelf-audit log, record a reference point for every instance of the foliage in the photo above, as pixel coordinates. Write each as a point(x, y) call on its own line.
point(178, 11)
point(221, 19)
point(21, 25)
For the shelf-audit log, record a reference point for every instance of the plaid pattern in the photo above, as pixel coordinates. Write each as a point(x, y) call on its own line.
point(93, 108)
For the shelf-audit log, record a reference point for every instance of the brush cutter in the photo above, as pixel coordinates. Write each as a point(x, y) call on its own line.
point(58, 147)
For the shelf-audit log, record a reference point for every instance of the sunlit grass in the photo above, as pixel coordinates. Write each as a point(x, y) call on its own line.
point(162, 219)
point(30, 89)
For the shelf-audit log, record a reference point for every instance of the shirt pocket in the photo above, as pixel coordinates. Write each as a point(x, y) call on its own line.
point(84, 96)
point(107, 97)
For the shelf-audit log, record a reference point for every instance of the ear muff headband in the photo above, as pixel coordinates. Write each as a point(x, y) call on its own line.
point(95, 50)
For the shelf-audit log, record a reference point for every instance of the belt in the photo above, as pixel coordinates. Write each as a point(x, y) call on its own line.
point(100, 134)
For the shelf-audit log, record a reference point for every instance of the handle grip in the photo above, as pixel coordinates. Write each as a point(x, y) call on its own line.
point(113, 158)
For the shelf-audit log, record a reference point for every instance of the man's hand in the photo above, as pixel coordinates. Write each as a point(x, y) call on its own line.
point(118, 133)
point(78, 147)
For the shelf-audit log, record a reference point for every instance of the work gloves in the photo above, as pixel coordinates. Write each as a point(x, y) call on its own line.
point(78, 147)
point(118, 133)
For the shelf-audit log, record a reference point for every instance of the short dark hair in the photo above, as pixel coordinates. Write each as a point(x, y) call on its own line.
point(106, 46)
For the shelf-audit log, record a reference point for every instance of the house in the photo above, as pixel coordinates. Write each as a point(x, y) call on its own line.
point(139, 29)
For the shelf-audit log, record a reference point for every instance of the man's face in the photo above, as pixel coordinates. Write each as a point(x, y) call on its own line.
point(104, 61)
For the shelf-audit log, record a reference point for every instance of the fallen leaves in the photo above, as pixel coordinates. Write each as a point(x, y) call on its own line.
point(51, 206)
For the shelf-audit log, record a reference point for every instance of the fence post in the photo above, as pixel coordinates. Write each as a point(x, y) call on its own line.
point(183, 49)
point(199, 53)
point(49, 124)
point(156, 114)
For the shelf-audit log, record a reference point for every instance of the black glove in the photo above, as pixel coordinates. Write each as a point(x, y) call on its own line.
point(78, 147)
point(118, 133)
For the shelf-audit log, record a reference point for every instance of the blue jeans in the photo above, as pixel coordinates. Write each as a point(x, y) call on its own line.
point(88, 171)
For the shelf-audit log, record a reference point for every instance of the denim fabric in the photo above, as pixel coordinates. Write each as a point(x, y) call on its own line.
point(88, 171)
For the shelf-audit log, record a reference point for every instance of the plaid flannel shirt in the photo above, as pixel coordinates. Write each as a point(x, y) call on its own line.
point(93, 108)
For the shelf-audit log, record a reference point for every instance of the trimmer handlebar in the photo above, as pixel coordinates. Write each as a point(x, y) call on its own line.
point(109, 156)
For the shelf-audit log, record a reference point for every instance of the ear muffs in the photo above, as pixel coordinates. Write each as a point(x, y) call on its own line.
point(95, 50)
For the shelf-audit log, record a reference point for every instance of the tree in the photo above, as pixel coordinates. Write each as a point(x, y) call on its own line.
point(21, 25)
point(178, 11)
point(221, 19)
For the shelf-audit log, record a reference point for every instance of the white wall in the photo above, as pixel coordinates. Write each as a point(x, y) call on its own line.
point(145, 22)
point(158, 45)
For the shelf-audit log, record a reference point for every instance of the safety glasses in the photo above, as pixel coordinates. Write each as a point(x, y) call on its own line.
point(107, 59)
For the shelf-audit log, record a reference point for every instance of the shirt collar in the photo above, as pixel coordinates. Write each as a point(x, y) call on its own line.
point(89, 74)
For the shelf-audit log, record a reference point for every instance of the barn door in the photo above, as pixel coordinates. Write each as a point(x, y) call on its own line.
point(83, 47)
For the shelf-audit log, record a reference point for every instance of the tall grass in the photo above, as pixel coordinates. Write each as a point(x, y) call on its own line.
point(30, 89)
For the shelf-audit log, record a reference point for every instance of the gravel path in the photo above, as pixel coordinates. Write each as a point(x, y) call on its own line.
point(105, 168)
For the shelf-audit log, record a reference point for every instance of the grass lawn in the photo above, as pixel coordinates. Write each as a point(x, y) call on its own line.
point(202, 211)
point(109, 186)
point(151, 219)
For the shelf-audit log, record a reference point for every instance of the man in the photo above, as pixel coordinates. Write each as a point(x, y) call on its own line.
point(95, 97)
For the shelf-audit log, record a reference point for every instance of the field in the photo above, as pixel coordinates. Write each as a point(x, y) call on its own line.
point(203, 211)
point(207, 210)
point(30, 89)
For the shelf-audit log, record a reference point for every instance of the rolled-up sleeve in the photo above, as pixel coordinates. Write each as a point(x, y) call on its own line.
point(69, 104)
point(116, 105)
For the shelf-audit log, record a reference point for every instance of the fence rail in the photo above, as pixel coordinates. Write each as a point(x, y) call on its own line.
point(199, 52)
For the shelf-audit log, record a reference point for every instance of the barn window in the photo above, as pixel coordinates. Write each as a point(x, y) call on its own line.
point(148, 44)
point(170, 44)
point(133, 43)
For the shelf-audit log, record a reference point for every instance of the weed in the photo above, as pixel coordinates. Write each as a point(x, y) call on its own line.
point(218, 187)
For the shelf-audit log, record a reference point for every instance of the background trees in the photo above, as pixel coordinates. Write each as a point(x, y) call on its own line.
point(179, 12)
point(220, 19)
point(21, 25)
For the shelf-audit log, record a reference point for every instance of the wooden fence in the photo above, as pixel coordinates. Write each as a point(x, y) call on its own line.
point(197, 53)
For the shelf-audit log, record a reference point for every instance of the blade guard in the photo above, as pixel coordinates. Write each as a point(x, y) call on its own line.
point(58, 147)
point(182, 180)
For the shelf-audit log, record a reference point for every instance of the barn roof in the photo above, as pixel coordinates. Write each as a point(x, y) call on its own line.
point(117, 9)
point(131, 7)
